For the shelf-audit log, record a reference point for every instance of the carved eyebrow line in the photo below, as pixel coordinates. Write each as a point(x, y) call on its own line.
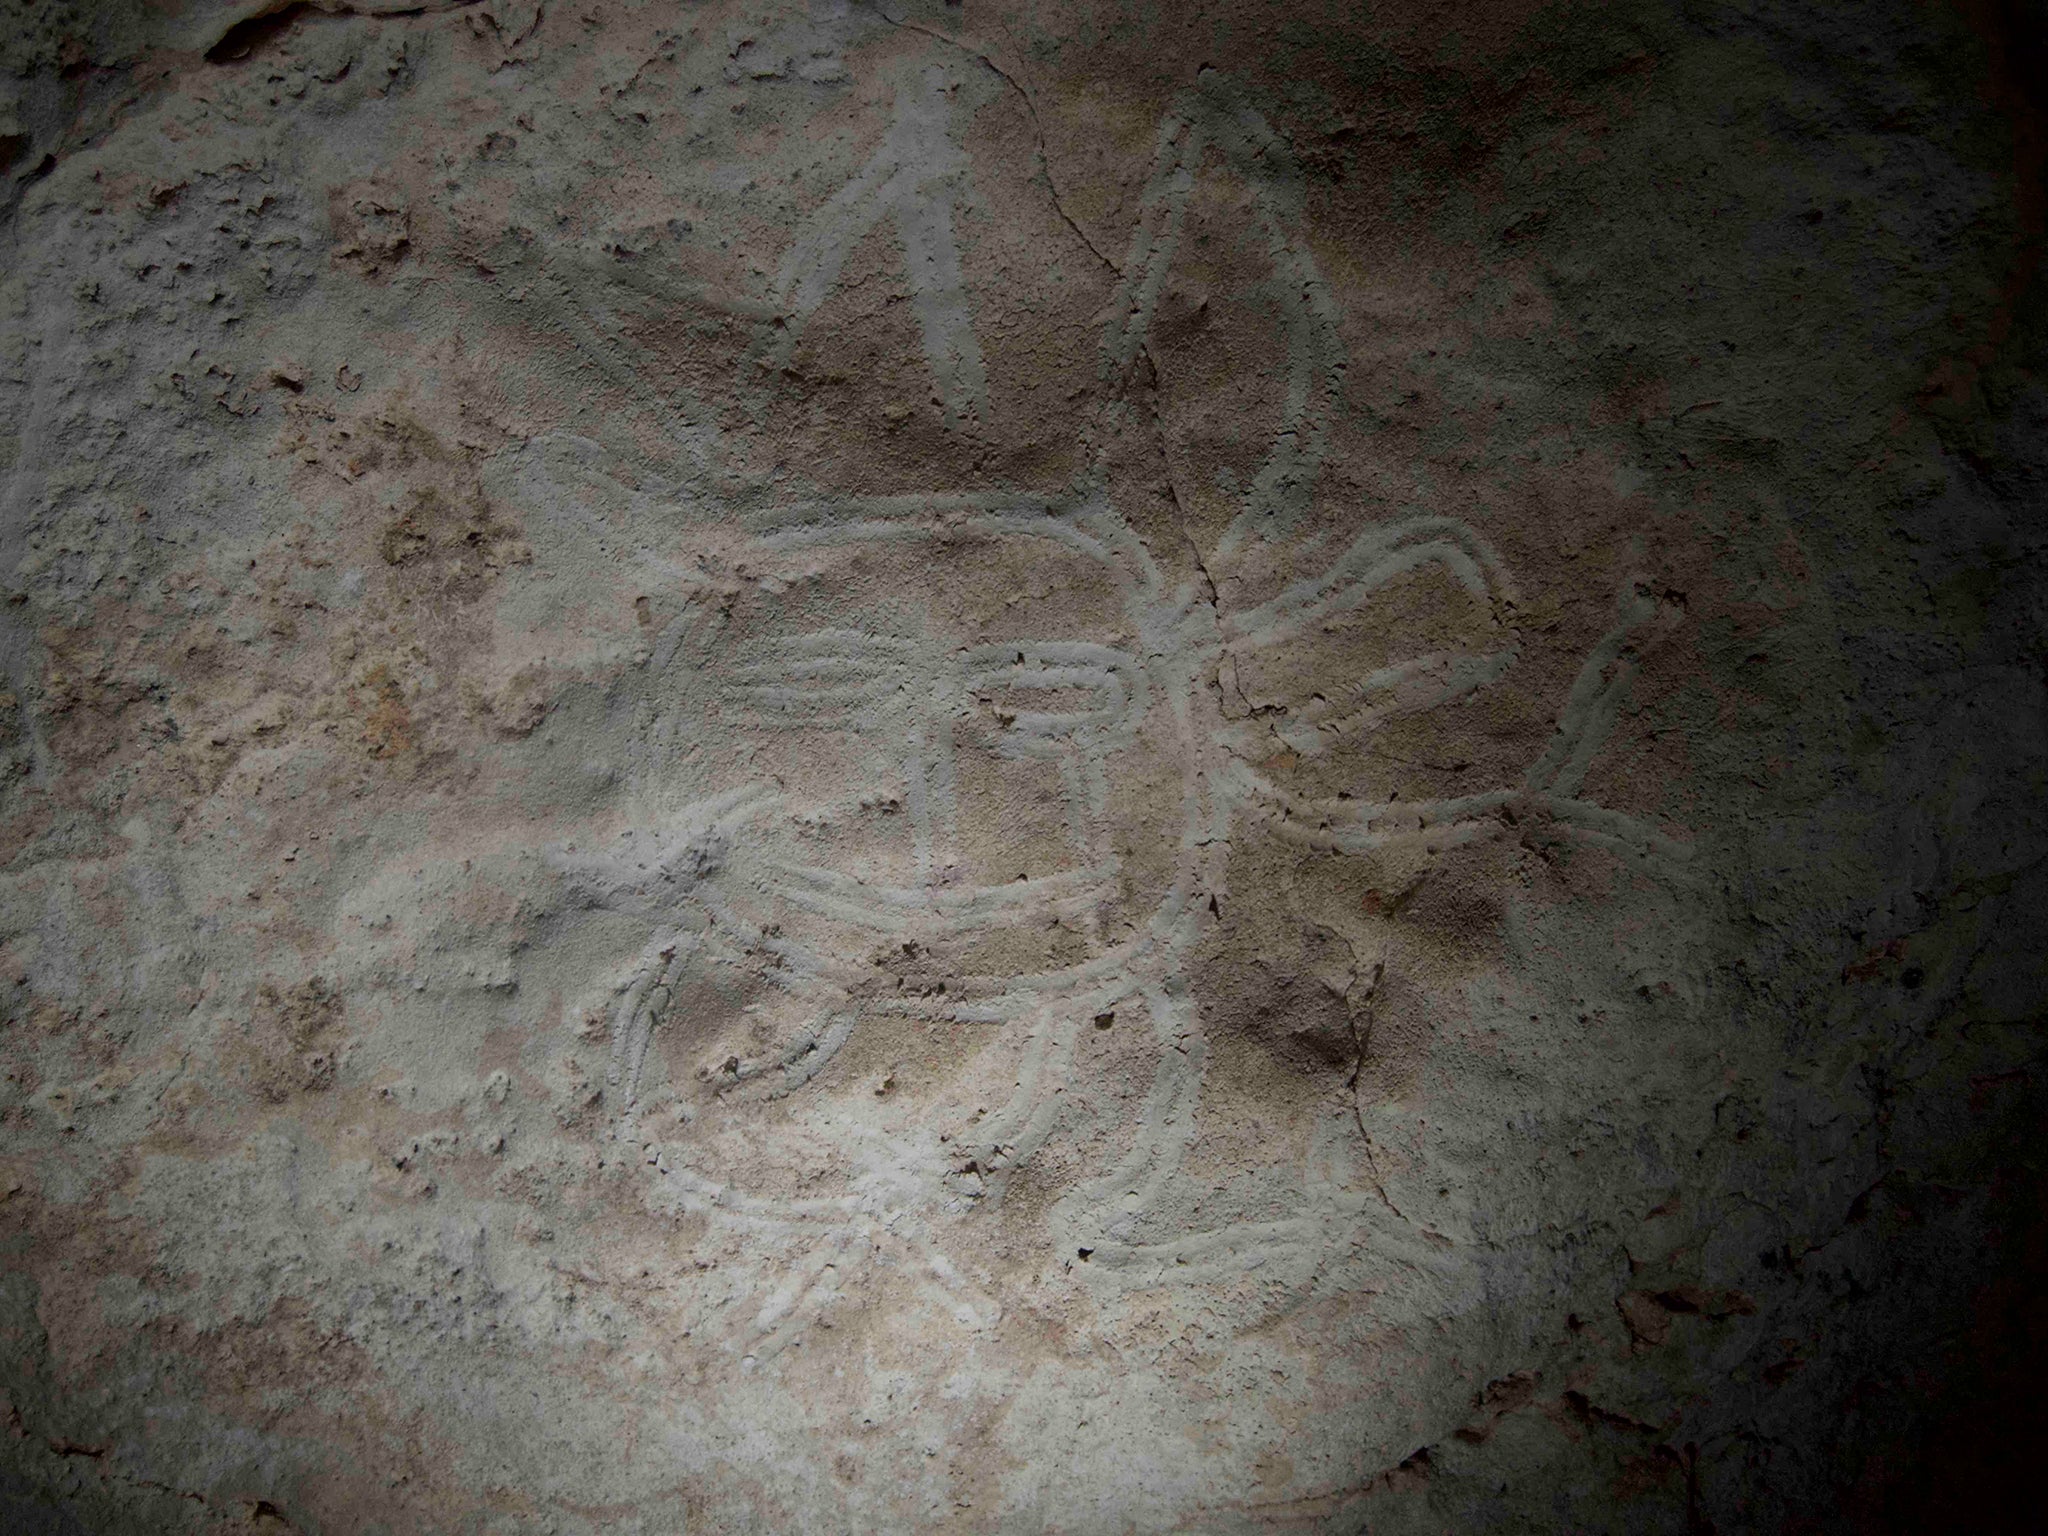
point(813, 511)
point(842, 665)
point(850, 647)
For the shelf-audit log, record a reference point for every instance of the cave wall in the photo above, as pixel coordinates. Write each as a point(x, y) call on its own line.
point(1072, 767)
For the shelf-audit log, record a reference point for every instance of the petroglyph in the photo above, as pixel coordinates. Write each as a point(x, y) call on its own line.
point(904, 814)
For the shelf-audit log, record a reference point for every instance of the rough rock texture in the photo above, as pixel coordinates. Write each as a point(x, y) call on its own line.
point(1069, 767)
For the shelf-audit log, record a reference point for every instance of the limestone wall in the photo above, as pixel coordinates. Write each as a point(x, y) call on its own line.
point(1076, 767)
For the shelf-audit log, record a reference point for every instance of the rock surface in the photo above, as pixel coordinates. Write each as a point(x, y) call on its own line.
point(1078, 767)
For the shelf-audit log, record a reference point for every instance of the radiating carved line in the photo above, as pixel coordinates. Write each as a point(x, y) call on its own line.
point(914, 177)
point(1209, 118)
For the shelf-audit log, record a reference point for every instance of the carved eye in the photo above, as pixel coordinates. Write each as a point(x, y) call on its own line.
point(1052, 694)
point(828, 675)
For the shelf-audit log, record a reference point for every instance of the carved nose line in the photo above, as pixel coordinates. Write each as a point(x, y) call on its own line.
point(929, 781)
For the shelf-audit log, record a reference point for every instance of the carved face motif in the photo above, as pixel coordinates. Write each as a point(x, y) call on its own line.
point(950, 739)
point(943, 785)
point(940, 787)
